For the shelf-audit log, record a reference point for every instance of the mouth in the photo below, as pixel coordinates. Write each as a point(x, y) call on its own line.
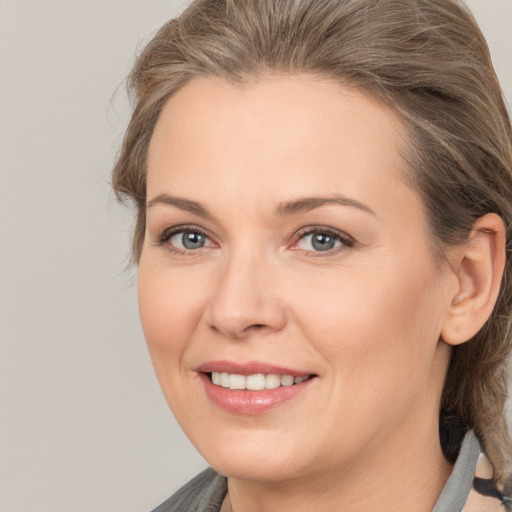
point(253, 388)
point(256, 381)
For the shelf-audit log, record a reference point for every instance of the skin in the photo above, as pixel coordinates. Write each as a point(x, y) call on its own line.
point(366, 318)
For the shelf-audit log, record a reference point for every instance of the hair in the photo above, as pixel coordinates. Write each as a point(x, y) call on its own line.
point(429, 62)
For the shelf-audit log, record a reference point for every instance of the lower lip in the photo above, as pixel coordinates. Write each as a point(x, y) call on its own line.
point(251, 402)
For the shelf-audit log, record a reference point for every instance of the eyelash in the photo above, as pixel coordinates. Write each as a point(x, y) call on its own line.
point(346, 240)
point(166, 235)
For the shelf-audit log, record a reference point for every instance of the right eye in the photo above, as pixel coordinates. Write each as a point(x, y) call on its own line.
point(188, 240)
point(184, 240)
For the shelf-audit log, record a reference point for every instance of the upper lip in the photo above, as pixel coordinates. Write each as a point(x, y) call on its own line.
point(249, 368)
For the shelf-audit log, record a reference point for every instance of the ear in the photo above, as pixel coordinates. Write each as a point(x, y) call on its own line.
point(479, 267)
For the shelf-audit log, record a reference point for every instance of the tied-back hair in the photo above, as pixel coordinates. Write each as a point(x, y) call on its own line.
point(428, 61)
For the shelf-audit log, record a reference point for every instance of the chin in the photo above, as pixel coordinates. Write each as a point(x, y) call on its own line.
point(257, 456)
point(262, 469)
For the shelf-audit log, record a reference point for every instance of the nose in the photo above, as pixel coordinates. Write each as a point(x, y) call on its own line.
point(245, 301)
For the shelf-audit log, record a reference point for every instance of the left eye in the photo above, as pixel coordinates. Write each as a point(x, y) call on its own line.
point(320, 241)
point(189, 240)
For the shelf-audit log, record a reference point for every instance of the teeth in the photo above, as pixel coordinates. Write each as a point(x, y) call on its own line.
point(236, 381)
point(286, 380)
point(256, 382)
point(272, 381)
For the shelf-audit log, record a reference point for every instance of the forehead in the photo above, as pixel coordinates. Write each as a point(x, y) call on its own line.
point(292, 134)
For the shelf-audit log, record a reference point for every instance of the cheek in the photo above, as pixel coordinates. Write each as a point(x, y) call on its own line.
point(169, 310)
point(381, 325)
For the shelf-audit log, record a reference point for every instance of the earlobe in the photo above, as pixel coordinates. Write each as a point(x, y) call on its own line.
point(479, 270)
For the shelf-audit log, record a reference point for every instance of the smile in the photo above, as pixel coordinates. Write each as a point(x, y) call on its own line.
point(255, 382)
point(253, 387)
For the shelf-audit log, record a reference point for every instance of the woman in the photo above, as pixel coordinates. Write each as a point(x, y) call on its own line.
point(324, 202)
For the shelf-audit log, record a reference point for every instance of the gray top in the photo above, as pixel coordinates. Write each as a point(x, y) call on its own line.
point(457, 488)
point(206, 492)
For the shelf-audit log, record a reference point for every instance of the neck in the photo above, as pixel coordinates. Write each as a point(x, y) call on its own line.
point(402, 473)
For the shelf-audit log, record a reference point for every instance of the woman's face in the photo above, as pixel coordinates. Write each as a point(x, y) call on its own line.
point(281, 244)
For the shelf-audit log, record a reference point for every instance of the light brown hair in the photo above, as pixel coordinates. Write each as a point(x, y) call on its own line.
point(427, 60)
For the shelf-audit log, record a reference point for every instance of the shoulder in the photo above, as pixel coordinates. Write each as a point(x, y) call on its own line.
point(204, 493)
point(484, 497)
point(470, 487)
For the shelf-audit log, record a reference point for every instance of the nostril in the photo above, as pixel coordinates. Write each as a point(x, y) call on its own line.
point(255, 327)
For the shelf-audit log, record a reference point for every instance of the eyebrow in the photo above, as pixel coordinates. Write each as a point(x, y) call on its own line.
point(181, 203)
point(310, 203)
point(283, 209)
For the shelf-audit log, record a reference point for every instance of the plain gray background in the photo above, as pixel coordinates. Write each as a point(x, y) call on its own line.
point(83, 425)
